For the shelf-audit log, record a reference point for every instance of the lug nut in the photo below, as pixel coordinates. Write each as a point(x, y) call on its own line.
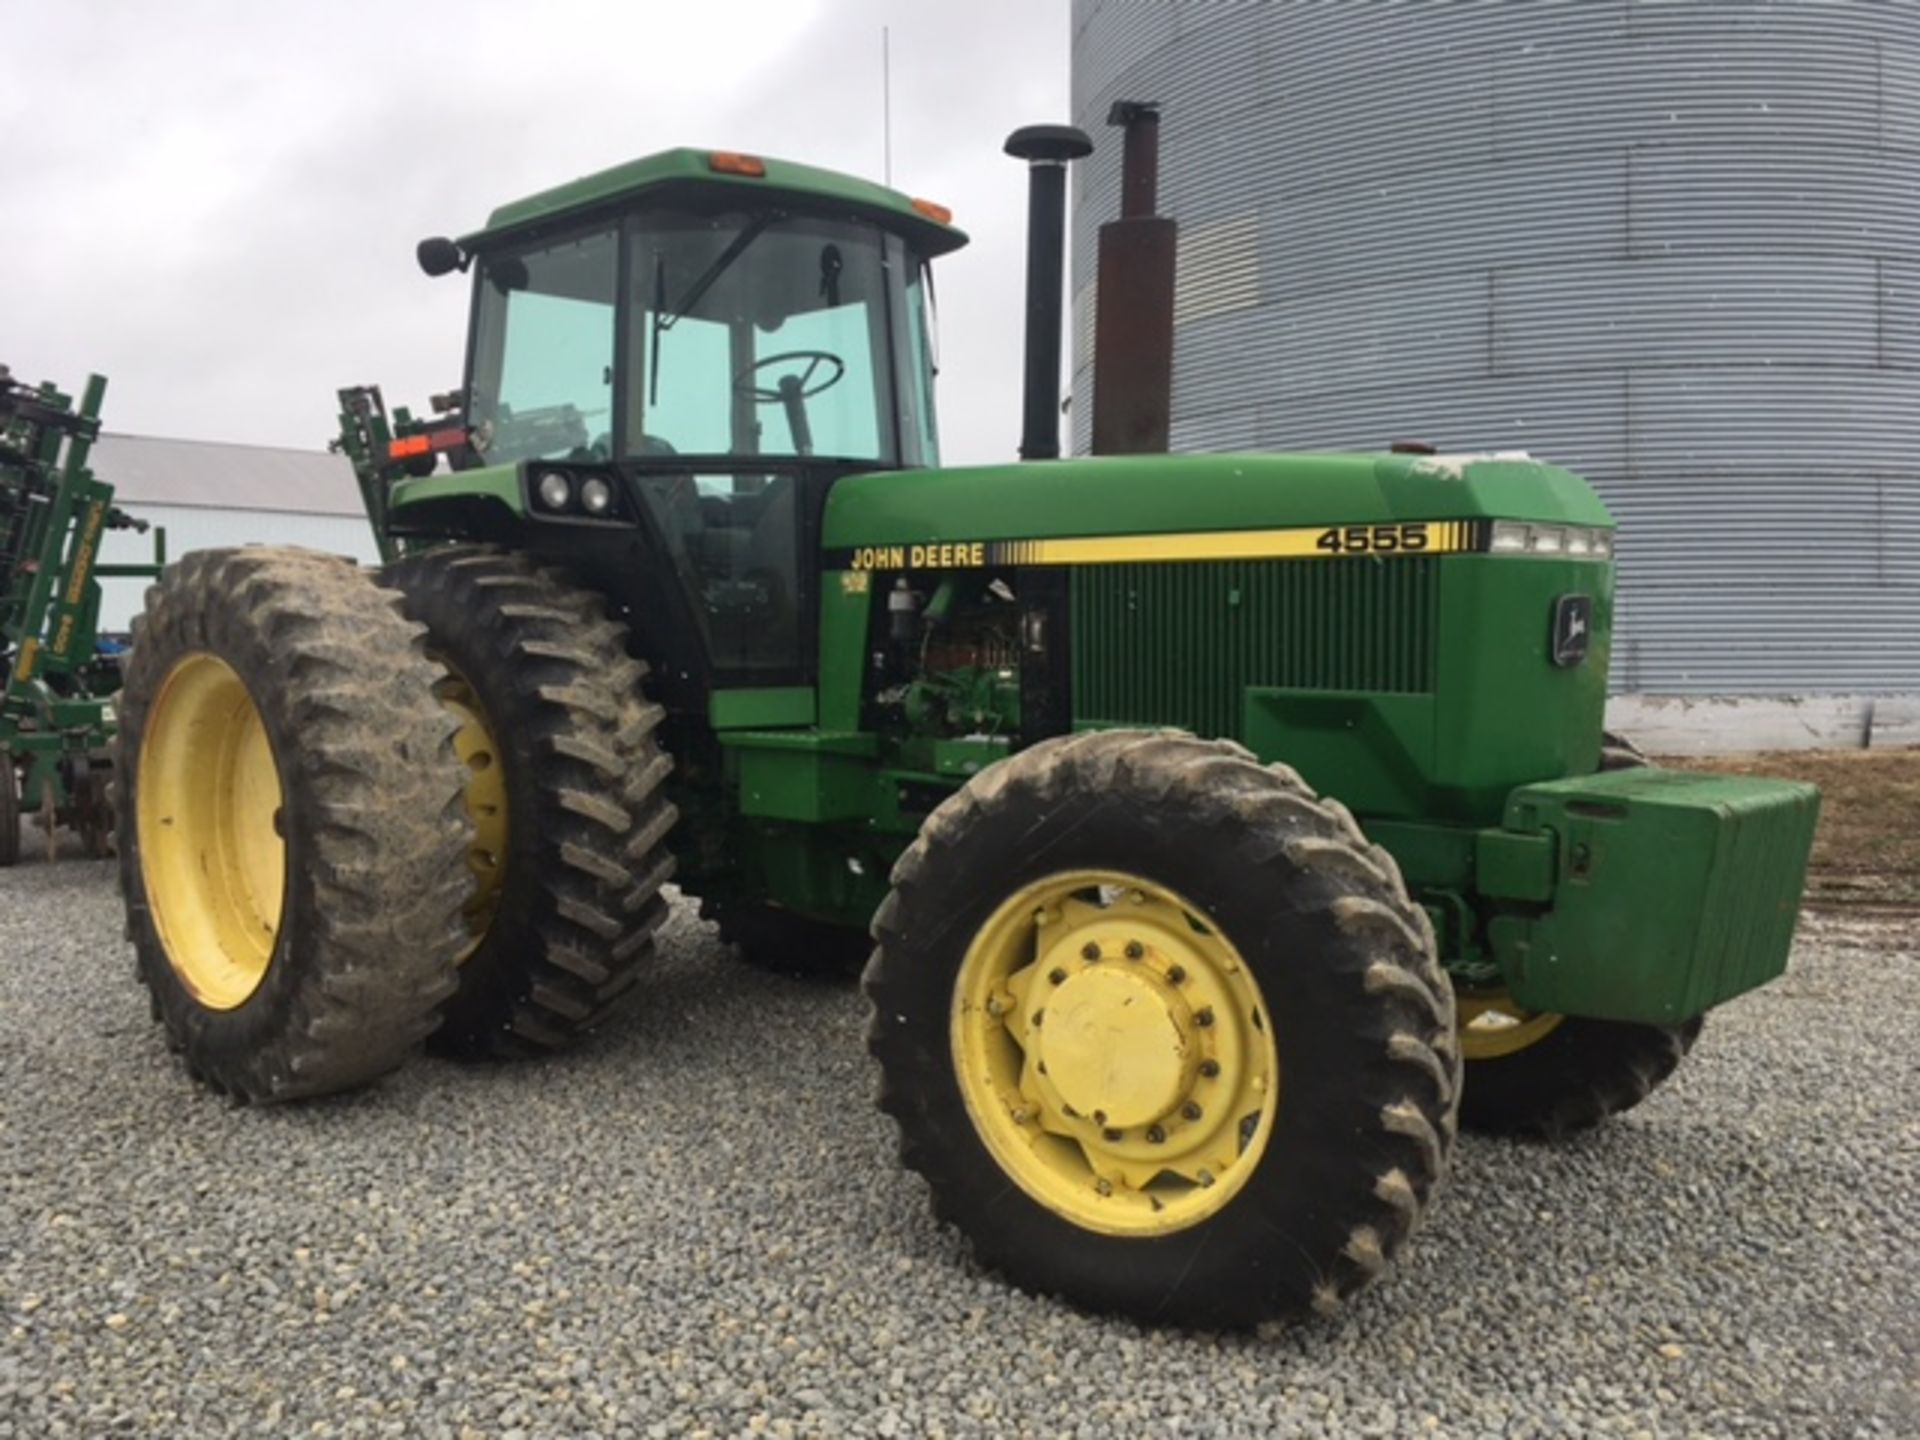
point(1089, 951)
point(1205, 1177)
point(1135, 950)
point(996, 1007)
point(1155, 1135)
point(1204, 1017)
point(1103, 1187)
point(1190, 1111)
point(1057, 975)
point(1022, 1115)
point(1177, 974)
point(1210, 1068)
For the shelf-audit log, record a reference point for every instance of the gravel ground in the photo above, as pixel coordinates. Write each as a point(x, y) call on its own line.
point(696, 1224)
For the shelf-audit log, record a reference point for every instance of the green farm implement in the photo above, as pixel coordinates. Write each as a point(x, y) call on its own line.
point(57, 675)
point(1228, 828)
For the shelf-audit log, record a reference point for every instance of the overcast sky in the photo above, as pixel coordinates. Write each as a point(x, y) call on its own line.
point(215, 204)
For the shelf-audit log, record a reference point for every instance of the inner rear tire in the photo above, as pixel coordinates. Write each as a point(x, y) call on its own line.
point(295, 913)
point(572, 926)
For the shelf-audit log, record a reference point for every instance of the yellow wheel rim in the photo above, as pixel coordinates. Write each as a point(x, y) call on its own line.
point(1114, 1053)
point(486, 798)
point(208, 818)
point(1492, 1025)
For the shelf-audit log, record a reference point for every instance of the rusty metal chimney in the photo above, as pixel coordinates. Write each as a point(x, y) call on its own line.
point(1133, 311)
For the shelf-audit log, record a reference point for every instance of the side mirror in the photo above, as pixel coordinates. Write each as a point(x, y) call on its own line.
point(439, 256)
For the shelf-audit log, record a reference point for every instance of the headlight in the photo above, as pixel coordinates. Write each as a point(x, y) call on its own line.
point(596, 495)
point(1516, 537)
point(1508, 537)
point(1547, 539)
point(555, 490)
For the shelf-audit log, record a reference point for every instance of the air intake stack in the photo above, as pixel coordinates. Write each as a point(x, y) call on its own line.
point(1046, 149)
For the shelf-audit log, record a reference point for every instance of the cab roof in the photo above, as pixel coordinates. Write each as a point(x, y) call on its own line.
point(677, 169)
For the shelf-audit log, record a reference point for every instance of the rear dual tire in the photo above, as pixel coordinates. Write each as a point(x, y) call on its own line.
point(297, 826)
point(290, 834)
point(536, 663)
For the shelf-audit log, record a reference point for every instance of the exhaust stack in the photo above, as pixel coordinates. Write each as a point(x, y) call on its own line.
point(1133, 313)
point(1046, 149)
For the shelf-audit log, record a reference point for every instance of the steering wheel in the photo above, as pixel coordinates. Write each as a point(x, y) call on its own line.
point(805, 390)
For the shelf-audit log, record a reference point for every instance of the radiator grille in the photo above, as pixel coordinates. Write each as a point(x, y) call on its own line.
point(1178, 644)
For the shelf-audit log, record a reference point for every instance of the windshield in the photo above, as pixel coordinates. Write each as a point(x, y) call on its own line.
point(772, 335)
point(745, 333)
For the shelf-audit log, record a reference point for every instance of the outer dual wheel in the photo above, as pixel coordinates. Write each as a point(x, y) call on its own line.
point(290, 835)
point(1162, 1031)
point(1548, 1075)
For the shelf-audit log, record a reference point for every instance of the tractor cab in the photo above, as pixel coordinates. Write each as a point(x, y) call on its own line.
point(693, 348)
point(672, 361)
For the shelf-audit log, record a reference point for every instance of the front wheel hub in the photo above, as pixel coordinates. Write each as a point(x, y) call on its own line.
point(1114, 1053)
point(1118, 1046)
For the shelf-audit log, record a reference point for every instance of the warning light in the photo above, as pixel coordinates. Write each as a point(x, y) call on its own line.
point(730, 162)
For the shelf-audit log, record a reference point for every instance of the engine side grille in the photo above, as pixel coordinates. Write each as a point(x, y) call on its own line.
point(1179, 643)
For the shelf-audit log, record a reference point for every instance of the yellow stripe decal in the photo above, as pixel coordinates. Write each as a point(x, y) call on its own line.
point(1316, 542)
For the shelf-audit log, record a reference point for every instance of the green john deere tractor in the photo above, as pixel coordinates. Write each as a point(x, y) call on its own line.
point(1210, 815)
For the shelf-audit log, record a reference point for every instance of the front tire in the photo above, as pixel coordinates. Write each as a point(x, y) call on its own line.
point(566, 789)
point(1267, 1134)
point(289, 825)
point(1550, 1076)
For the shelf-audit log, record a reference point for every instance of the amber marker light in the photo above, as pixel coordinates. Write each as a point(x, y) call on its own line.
point(729, 162)
point(934, 211)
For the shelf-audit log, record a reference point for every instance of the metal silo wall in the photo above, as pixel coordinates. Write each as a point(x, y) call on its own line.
point(1674, 246)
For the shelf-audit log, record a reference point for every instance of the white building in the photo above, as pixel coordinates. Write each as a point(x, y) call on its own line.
point(209, 495)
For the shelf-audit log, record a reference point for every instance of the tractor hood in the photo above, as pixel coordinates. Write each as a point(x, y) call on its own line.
point(1161, 494)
